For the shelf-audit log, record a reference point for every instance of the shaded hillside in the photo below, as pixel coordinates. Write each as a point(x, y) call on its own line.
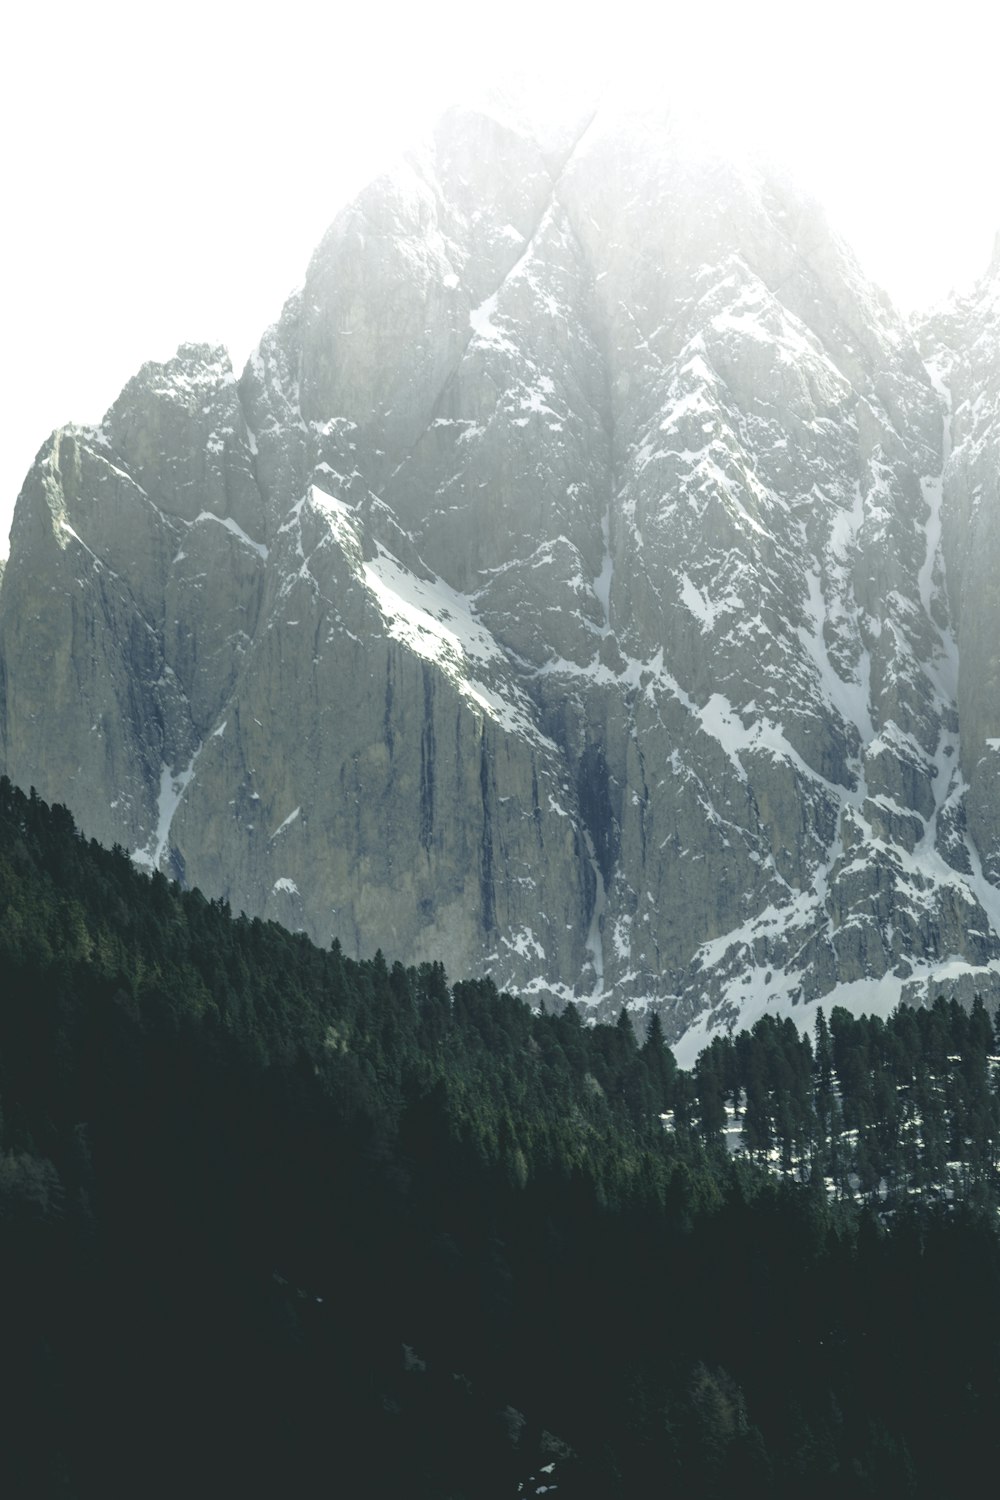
point(273, 1221)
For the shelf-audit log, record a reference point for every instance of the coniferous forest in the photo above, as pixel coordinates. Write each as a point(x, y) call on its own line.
point(275, 1222)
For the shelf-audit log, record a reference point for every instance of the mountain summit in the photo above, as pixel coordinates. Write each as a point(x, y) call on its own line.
point(588, 579)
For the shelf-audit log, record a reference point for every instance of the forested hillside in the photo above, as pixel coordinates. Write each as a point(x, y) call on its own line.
point(276, 1222)
point(877, 1110)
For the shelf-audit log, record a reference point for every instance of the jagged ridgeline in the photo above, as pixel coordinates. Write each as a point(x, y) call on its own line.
point(270, 1217)
point(587, 580)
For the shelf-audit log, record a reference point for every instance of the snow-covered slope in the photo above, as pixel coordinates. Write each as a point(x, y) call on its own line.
point(587, 579)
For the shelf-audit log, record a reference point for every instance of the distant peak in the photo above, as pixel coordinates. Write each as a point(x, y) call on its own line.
point(203, 355)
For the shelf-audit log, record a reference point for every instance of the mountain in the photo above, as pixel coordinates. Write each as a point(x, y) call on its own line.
point(588, 579)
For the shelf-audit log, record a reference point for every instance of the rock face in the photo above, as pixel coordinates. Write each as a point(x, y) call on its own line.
point(587, 579)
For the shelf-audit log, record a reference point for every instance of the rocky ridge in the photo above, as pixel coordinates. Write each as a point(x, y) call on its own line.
point(588, 578)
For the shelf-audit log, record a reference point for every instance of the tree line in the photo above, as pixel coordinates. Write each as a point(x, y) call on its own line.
point(878, 1109)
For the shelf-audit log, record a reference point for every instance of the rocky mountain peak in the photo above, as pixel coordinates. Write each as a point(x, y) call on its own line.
point(585, 579)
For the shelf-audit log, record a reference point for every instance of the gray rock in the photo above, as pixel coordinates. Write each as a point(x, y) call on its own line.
point(564, 589)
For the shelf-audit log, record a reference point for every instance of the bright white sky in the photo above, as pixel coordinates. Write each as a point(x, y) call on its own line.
point(170, 166)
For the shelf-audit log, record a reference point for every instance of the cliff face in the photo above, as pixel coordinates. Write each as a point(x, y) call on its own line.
point(963, 354)
point(587, 579)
